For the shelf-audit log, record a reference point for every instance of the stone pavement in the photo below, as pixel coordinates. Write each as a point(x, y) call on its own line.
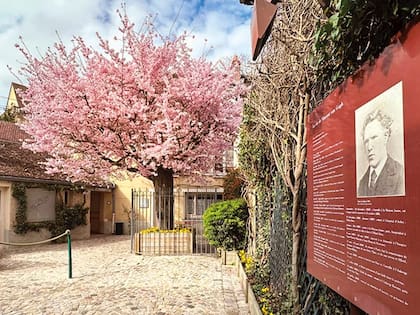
point(108, 279)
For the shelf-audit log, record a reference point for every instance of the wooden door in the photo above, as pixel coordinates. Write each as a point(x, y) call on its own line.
point(95, 212)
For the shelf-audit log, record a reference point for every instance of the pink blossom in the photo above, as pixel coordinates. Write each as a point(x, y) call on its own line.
point(149, 104)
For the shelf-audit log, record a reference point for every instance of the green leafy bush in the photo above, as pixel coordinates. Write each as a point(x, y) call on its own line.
point(225, 224)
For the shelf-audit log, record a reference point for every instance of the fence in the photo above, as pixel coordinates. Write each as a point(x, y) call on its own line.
point(170, 222)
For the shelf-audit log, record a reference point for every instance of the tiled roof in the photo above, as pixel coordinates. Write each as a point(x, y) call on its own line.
point(11, 132)
point(17, 162)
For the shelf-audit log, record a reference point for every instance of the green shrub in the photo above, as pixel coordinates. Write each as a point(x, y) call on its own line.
point(225, 224)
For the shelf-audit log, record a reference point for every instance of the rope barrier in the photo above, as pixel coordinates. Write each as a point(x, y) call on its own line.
point(67, 232)
point(37, 243)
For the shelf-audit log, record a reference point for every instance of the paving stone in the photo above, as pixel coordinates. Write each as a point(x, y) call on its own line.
point(108, 279)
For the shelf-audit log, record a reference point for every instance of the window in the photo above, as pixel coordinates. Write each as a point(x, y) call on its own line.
point(220, 165)
point(224, 162)
point(198, 202)
point(143, 202)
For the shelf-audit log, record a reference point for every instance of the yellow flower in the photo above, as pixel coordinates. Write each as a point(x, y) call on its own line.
point(156, 229)
point(264, 310)
point(265, 290)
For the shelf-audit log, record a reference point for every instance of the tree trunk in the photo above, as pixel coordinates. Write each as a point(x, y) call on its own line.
point(164, 198)
point(300, 158)
point(296, 241)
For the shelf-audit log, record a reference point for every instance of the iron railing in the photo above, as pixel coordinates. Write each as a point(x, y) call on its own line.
point(157, 212)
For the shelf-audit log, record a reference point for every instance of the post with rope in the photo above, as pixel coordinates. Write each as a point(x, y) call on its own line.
point(69, 250)
point(67, 232)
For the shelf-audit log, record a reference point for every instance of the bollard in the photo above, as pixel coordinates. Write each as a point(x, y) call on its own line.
point(67, 232)
point(69, 249)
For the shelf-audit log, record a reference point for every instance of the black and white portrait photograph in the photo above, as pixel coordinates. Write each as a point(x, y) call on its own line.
point(380, 145)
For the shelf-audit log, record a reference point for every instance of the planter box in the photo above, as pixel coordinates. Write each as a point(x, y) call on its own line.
point(163, 243)
point(253, 306)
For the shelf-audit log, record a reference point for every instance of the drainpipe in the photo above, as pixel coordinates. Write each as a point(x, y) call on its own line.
point(113, 210)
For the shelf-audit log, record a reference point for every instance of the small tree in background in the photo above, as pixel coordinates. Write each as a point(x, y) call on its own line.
point(147, 108)
point(225, 224)
point(9, 114)
point(232, 185)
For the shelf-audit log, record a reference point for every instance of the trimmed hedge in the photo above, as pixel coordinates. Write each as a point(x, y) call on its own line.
point(225, 224)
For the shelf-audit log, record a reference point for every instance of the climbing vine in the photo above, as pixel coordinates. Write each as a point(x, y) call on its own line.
point(65, 217)
point(355, 31)
point(21, 225)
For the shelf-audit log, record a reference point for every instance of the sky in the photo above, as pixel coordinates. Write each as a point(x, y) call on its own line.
point(221, 28)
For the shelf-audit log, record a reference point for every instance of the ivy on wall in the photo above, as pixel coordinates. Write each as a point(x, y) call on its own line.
point(257, 167)
point(66, 218)
point(354, 32)
point(21, 225)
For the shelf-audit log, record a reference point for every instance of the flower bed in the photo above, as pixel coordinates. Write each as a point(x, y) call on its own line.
point(260, 298)
point(237, 259)
point(253, 305)
point(163, 242)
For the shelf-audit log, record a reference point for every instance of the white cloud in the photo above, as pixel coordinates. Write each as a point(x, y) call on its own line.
point(225, 25)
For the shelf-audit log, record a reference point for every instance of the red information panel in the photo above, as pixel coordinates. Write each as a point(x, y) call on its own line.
point(364, 184)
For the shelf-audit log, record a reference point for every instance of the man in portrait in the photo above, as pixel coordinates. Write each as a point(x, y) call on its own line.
point(384, 175)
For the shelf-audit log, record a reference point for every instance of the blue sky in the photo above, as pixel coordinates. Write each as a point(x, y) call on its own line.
point(221, 28)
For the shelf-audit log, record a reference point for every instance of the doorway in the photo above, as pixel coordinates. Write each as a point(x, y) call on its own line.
point(96, 213)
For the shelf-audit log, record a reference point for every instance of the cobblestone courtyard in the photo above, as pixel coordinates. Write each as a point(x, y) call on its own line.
point(108, 279)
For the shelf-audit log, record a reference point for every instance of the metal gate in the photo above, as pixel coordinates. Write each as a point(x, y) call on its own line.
point(170, 222)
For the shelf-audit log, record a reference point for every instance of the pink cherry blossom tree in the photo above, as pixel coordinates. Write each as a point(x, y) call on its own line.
point(147, 107)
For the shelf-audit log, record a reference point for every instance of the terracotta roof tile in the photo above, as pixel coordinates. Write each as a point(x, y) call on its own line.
point(11, 132)
point(16, 161)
